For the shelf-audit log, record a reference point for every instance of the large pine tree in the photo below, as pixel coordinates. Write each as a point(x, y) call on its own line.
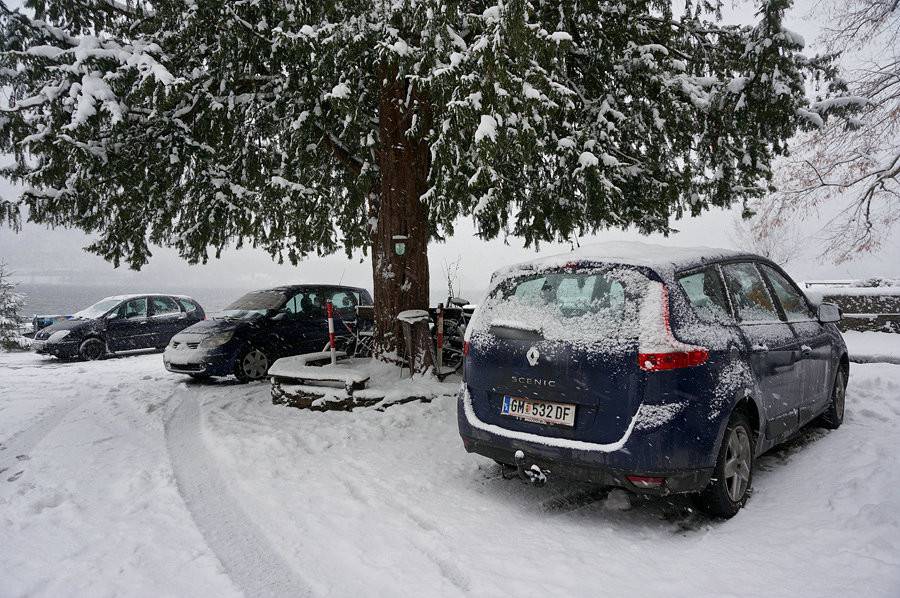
point(313, 126)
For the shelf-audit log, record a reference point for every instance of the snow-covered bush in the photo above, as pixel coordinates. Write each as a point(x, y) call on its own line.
point(11, 302)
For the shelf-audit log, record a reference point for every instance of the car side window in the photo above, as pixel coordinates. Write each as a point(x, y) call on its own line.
point(187, 305)
point(165, 306)
point(135, 308)
point(306, 304)
point(345, 303)
point(791, 299)
point(748, 293)
point(293, 305)
point(706, 294)
point(313, 305)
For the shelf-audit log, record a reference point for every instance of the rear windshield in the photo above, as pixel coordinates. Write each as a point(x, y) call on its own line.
point(255, 304)
point(589, 305)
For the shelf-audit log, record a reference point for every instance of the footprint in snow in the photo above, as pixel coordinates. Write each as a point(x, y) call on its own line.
point(23, 458)
point(15, 476)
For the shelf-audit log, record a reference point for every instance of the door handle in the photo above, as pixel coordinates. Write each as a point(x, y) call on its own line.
point(760, 348)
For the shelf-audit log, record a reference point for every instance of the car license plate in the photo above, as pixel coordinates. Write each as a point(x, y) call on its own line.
point(542, 412)
point(38, 345)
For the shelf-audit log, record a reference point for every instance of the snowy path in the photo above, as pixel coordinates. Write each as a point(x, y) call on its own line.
point(139, 483)
point(95, 510)
point(246, 554)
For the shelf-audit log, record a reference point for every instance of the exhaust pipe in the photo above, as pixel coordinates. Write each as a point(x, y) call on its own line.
point(533, 475)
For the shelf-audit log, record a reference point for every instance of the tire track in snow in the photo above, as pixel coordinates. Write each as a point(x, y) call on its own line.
point(428, 528)
point(245, 553)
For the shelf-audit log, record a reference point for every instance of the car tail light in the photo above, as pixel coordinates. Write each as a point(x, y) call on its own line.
point(642, 481)
point(654, 362)
point(466, 348)
point(658, 349)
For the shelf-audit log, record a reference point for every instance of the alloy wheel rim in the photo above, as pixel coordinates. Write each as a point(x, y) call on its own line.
point(93, 350)
point(255, 364)
point(737, 464)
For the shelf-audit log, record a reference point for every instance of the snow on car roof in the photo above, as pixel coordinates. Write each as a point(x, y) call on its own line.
point(293, 287)
point(661, 258)
point(133, 295)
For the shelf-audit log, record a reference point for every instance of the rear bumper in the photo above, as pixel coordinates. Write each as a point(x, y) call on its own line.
point(657, 453)
point(676, 482)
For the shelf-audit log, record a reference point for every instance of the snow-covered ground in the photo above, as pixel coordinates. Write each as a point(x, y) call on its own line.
point(118, 478)
point(869, 347)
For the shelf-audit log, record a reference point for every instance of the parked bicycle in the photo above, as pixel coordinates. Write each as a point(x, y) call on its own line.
point(358, 340)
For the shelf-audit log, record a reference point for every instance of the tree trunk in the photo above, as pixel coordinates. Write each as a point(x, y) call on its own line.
point(400, 281)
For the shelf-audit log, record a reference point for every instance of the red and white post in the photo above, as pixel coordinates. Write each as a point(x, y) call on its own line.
point(439, 358)
point(329, 310)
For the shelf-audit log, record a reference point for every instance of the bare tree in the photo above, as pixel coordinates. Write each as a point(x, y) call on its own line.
point(453, 274)
point(781, 242)
point(853, 165)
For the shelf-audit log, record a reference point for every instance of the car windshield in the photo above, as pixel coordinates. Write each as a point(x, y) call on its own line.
point(96, 310)
point(254, 305)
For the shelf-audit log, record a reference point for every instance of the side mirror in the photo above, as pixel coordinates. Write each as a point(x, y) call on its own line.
point(829, 313)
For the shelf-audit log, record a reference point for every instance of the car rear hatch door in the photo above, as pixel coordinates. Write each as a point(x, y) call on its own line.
point(567, 336)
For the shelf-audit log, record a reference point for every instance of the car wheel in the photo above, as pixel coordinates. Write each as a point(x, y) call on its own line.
point(834, 415)
point(252, 364)
point(92, 349)
point(729, 487)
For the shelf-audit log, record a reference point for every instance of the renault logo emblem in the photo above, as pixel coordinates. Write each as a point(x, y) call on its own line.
point(532, 356)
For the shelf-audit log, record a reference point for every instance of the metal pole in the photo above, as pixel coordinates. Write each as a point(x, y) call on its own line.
point(440, 337)
point(329, 309)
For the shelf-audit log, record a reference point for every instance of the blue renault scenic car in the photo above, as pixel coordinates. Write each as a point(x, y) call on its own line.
point(656, 369)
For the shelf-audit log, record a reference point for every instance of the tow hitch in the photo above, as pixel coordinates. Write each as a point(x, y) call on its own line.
point(534, 474)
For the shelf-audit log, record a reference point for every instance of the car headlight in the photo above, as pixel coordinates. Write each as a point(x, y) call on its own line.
point(216, 340)
point(58, 336)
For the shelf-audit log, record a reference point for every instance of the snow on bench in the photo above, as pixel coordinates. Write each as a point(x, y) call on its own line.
point(286, 363)
point(412, 316)
point(296, 368)
point(325, 373)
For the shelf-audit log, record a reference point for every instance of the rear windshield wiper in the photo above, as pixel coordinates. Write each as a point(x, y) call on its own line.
point(516, 331)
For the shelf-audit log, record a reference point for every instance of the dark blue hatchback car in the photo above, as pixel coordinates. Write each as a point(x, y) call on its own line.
point(117, 325)
point(656, 369)
point(248, 336)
